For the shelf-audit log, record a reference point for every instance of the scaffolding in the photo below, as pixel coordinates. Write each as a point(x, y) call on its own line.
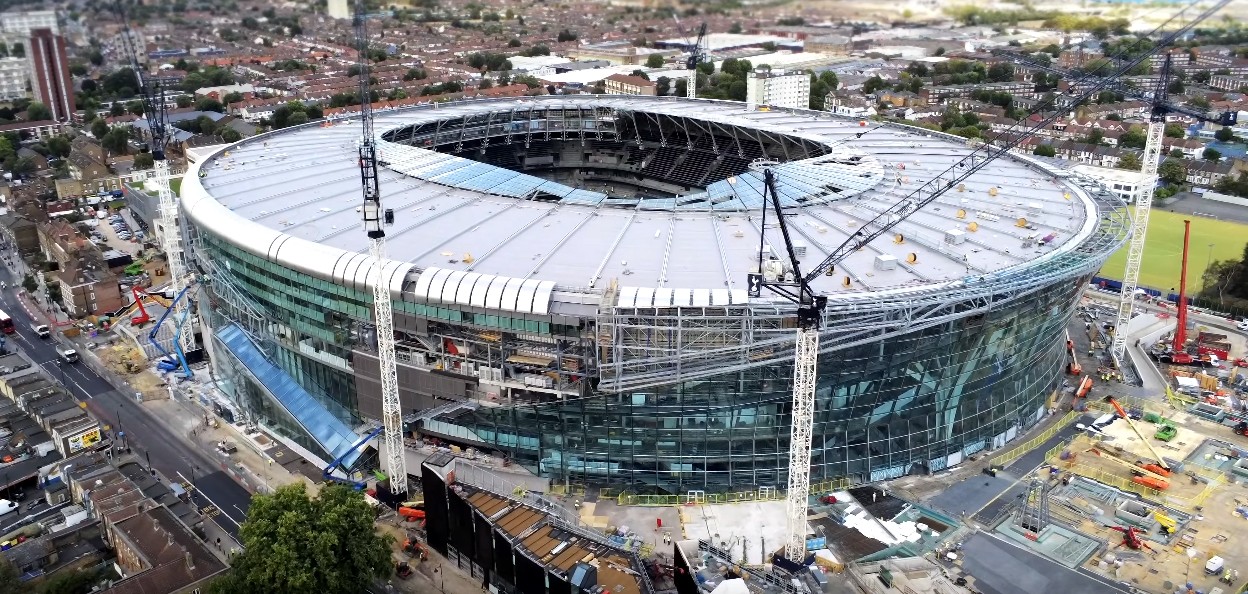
point(648, 347)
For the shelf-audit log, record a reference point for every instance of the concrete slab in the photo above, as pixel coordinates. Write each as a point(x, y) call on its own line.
point(749, 530)
point(1003, 568)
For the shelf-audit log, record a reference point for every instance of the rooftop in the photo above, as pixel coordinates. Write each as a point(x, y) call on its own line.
point(293, 196)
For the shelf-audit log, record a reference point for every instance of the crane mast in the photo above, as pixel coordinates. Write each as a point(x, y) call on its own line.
point(796, 288)
point(153, 94)
point(383, 309)
point(696, 56)
point(1139, 223)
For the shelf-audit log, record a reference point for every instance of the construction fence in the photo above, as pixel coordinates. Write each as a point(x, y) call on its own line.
point(703, 498)
point(1027, 446)
point(1211, 478)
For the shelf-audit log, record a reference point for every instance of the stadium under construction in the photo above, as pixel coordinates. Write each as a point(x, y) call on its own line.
point(569, 280)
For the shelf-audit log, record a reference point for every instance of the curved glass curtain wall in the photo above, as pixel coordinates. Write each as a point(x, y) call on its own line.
point(883, 410)
point(907, 405)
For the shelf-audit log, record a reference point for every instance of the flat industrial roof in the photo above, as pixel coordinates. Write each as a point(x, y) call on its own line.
point(293, 196)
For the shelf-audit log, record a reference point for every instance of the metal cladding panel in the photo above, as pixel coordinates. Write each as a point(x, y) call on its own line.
point(524, 299)
point(628, 296)
point(701, 297)
point(682, 297)
point(436, 285)
point(452, 286)
point(395, 276)
point(645, 297)
point(421, 291)
point(361, 271)
point(477, 299)
point(720, 297)
point(463, 294)
point(663, 297)
point(541, 299)
point(307, 257)
point(509, 294)
point(494, 293)
point(740, 296)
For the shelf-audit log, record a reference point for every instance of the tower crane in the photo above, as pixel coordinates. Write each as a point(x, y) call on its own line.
point(1149, 164)
point(153, 94)
point(787, 281)
point(697, 55)
point(383, 308)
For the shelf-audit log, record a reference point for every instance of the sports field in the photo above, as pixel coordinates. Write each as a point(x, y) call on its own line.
point(1163, 250)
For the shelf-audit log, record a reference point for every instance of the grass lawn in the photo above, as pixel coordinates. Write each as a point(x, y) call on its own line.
point(175, 184)
point(1163, 249)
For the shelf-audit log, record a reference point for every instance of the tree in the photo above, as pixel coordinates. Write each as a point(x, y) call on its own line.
point(59, 146)
point(38, 112)
point(1212, 154)
point(654, 61)
point(1175, 131)
point(9, 582)
point(566, 35)
point(1172, 171)
point(1001, 72)
point(30, 284)
point(69, 582)
point(662, 86)
point(682, 85)
point(115, 141)
point(1044, 150)
point(99, 128)
point(1129, 161)
point(735, 28)
point(1224, 135)
point(209, 104)
point(1096, 136)
point(229, 134)
point(144, 161)
point(295, 543)
point(872, 85)
point(298, 117)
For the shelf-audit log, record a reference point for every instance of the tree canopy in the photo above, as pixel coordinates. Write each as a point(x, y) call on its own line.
point(299, 544)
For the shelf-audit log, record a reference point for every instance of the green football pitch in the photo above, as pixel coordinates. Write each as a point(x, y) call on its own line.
point(1212, 240)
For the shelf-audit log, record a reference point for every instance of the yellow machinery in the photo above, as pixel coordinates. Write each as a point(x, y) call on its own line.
point(1168, 524)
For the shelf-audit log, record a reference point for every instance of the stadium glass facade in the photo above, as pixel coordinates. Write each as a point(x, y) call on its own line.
point(914, 404)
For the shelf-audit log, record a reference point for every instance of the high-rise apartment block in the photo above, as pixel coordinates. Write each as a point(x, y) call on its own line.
point(777, 88)
point(50, 78)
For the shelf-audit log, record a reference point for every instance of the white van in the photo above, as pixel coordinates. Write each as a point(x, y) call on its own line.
point(7, 507)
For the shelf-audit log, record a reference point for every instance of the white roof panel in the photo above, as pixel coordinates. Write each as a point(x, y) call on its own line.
point(291, 197)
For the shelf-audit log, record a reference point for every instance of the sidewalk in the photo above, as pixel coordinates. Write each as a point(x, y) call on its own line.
point(250, 466)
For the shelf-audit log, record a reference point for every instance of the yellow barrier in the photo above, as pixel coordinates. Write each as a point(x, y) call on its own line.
point(565, 491)
point(1022, 449)
point(1215, 479)
point(626, 498)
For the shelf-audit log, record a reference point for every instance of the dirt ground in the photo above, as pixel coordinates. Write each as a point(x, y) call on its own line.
point(119, 357)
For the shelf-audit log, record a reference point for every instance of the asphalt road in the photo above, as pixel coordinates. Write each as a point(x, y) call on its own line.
point(168, 453)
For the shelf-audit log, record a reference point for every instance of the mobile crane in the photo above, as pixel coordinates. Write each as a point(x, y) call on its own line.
point(383, 308)
point(1154, 138)
point(153, 95)
point(787, 281)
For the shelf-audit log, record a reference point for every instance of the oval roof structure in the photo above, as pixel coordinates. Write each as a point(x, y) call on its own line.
point(293, 196)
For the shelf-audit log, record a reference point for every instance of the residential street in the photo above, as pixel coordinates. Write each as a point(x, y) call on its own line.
point(168, 452)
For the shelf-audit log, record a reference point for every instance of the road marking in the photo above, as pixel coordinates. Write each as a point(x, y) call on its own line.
point(214, 504)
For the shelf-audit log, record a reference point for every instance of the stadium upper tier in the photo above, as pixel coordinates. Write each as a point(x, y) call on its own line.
point(294, 196)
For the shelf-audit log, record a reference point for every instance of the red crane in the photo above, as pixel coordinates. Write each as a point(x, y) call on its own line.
point(1180, 332)
point(143, 316)
point(1131, 538)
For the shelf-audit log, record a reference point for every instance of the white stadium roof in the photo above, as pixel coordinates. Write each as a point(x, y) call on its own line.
point(292, 196)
